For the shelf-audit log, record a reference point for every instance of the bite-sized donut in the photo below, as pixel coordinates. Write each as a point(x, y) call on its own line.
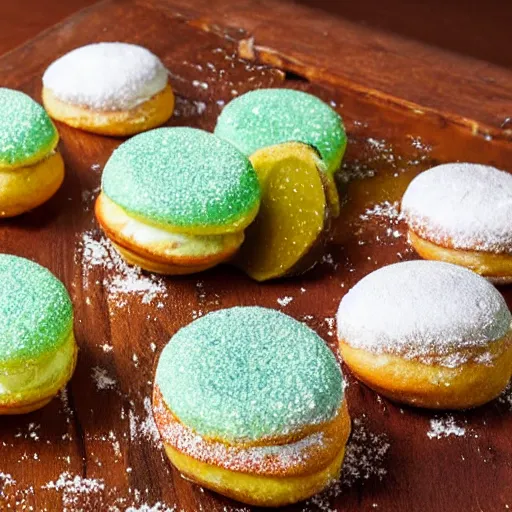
point(177, 200)
point(427, 333)
point(108, 88)
point(31, 168)
point(250, 403)
point(462, 213)
point(296, 143)
point(37, 346)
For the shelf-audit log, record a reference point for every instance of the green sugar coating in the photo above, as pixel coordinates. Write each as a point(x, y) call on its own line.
point(249, 373)
point(266, 117)
point(25, 129)
point(182, 177)
point(36, 314)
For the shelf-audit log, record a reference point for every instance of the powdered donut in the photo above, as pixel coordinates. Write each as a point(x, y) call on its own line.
point(108, 88)
point(430, 334)
point(461, 213)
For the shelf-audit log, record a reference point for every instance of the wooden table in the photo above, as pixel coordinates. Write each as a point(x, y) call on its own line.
point(406, 107)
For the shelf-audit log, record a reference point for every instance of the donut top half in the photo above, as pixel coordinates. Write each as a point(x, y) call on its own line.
point(462, 206)
point(183, 179)
point(27, 134)
point(106, 76)
point(249, 373)
point(36, 315)
point(429, 310)
point(266, 117)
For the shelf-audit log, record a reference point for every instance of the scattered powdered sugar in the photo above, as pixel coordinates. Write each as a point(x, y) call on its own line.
point(365, 454)
point(102, 378)
point(88, 197)
point(185, 107)
point(506, 397)
point(6, 479)
point(75, 489)
point(385, 210)
point(445, 427)
point(120, 278)
point(157, 507)
point(284, 301)
point(365, 457)
point(144, 428)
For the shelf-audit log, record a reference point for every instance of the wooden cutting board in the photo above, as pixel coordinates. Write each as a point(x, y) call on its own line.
point(406, 108)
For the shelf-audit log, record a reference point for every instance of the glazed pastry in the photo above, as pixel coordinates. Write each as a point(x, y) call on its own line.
point(428, 334)
point(108, 88)
point(177, 200)
point(31, 168)
point(295, 142)
point(462, 214)
point(37, 345)
point(250, 403)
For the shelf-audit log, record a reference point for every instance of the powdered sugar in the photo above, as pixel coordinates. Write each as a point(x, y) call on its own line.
point(384, 210)
point(284, 301)
point(445, 427)
point(75, 490)
point(102, 378)
point(425, 309)
point(464, 206)
point(365, 457)
point(106, 76)
point(120, 279)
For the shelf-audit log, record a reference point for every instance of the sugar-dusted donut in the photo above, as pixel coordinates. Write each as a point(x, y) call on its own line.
point(37, 345)
point(427, 333)
point(295, 142)
point(108, 88)
point(462, 213)
point(177, 200)
point(250, 403)
point(31, 168)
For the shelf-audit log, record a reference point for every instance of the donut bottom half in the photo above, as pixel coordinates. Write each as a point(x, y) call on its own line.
point(151, 113)
point(25, 188)
point(160, 251)
point(266, 490)
point(433, 386)
point(495, 267)
point(35, 386)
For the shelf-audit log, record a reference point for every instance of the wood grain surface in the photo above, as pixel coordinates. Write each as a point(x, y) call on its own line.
point(95, 447)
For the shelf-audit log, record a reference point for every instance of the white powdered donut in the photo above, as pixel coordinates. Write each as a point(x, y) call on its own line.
point(428, 310)
point(462, 206)
point(106, 76)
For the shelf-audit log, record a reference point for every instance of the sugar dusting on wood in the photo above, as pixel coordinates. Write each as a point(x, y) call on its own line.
point(445, 426)
point(120, 279)
point(365, 459)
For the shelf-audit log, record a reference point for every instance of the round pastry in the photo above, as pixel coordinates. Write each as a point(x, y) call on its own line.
point(429, 334)
point(462, 213)
point(31, 169)
point(37, 346)
point(109, 88)
point(250, 403)
point(295, 142)
point(177, 200)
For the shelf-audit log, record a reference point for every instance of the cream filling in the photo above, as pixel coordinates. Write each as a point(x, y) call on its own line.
point(37, 376)
point(163, 240)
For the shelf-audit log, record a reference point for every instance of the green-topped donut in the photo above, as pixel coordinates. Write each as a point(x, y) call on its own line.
point(267, 117)
point(184, 179)
point(249, 373)
point(27, 134)
point(36, 314)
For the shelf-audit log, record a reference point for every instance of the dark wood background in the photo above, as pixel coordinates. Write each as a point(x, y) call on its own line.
point(95, 448)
